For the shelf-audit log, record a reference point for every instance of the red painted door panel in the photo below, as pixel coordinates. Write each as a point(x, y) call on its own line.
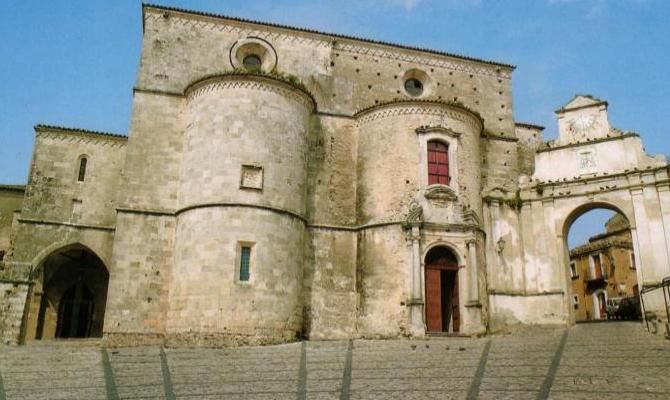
point(433, 300)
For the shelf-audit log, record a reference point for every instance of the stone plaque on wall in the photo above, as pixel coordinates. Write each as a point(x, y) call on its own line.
point(587, 161)
point(252, 177)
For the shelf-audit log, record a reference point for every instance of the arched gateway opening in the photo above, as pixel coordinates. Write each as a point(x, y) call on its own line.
point(69, 296)
point(602, 267)
point(442, 312)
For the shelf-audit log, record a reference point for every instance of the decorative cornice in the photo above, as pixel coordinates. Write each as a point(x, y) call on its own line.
point(80, 135)
point(157, 91)
point(416, 57)
point(501, 138)
point(238, 26)
point(590, 142)
point(449, 227)
point(13, 188)
point(66, 224)
point(599, 246)
point(440, 192)
point(519, 293)
point(421, 107)
point(471, 217)
point(242, 205)
point(253, 82)
point(529, 126)
point(62, 129)
point(159, 213)
point(437, 129)
point(596, 102)
point(361, 45)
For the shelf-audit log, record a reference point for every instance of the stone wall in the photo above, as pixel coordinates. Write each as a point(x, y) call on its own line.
point(267, 307)
point(12, 305)
point(530, 140)
point(331, 296)
point(55, 193)
point(11, 199)
point(152, 164)
point(345, 75)
point(143, 258)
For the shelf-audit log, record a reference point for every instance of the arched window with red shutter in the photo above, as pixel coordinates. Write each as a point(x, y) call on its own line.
point(438, 163)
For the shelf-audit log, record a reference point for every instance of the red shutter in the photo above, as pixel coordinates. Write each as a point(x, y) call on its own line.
point(438, 163)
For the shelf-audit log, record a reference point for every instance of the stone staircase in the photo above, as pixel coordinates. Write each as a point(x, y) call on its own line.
point(616, 360)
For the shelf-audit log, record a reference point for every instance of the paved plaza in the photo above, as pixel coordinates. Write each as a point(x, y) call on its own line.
point(617, 360)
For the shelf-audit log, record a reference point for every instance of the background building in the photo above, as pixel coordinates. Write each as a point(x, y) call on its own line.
point(603, 269)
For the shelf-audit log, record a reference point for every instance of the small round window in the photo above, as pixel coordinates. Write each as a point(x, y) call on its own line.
point(252, 63)
point(414, 87)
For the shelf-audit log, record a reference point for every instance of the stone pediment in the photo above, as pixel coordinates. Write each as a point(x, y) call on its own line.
point(584, 118)
point(440, 193)
point(581, 101)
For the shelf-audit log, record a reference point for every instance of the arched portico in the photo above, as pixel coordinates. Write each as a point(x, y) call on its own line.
point(567, 214)
point(69, 295)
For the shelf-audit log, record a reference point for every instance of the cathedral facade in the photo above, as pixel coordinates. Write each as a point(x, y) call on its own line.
point(280, 183)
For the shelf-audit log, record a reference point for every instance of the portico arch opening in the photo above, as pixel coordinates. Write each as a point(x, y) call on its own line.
point(602, 267)
point(69, 295)
point(442, 300)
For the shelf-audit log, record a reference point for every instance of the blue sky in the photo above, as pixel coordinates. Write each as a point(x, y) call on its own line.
point(73, 63)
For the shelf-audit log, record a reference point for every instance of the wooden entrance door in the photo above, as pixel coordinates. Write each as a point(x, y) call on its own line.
point(442, 300)
point(433, 300)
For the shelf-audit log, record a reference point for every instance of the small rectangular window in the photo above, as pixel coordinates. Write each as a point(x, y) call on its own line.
point(632, 260)
point(245, 258)
point(575, 301)
point(82, 169)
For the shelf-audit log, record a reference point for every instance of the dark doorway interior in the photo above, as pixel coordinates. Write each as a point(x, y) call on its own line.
point(75, 312)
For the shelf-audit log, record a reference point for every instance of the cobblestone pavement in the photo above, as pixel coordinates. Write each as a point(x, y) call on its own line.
point(618, 360)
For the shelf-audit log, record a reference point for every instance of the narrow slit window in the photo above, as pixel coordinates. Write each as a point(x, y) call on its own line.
point(438, 163)
point(82, 169)
point(245, 257)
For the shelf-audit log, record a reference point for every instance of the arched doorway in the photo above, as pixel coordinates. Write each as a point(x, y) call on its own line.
point(602, 267)
point(442, 305)
point(70, 295)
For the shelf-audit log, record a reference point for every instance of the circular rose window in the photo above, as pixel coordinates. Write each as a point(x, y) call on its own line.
point(414, 87)
point(252, 63)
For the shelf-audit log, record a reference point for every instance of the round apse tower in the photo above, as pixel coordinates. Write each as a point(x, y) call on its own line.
point(240, 220)
point(394, 173)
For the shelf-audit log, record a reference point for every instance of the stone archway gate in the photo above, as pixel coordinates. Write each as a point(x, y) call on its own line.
point(590, 165)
